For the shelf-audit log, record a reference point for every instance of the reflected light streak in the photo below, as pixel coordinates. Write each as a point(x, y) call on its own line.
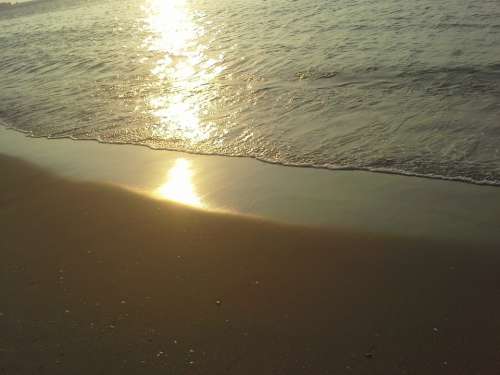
point(184, 72)
point(179, 186)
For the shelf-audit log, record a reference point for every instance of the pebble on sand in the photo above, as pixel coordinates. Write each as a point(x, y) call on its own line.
point(371, 353)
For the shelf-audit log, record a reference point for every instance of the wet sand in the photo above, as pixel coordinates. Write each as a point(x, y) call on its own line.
point(348, 200)
point(95, 279)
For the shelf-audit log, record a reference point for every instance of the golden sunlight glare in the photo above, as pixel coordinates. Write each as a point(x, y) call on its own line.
point(179, 186)
point(181, 72)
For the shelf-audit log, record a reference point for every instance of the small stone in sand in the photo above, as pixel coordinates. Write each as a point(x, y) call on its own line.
point(218, 302)
point(435, 330)
point(371, 353)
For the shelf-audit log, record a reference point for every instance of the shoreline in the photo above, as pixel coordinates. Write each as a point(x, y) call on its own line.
point(352, 200)
point(463, 180)
point(99, 279)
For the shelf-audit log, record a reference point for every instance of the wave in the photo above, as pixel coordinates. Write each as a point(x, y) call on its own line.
point(486, 71)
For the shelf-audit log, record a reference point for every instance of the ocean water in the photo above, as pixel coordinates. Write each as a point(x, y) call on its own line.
point(399, 86)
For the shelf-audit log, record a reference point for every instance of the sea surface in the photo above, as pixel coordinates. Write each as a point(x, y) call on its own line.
point(399, 86)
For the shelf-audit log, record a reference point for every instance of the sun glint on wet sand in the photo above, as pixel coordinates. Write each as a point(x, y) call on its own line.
point(95, 279)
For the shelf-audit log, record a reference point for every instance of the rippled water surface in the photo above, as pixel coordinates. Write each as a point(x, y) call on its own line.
point(401, 86)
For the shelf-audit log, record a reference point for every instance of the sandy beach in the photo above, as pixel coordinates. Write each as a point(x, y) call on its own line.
point(100, 280)
point(197, 187)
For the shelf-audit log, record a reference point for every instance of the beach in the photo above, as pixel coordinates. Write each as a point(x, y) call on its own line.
point(200, 187)
point(102, 279)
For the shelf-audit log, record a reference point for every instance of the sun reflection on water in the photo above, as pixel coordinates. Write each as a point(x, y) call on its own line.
point(179, 186)
point(184, 72)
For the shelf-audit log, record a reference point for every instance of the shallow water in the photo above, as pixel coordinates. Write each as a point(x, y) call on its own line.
point(409, 87)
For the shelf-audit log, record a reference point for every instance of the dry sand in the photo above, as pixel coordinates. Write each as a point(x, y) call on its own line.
point(98, 280)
